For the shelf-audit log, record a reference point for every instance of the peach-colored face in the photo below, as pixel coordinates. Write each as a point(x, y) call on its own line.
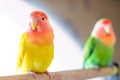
point(40, 20)
point(40, 28)
point(105, 32)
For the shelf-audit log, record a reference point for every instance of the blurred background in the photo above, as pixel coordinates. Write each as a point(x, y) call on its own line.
point(72, 21)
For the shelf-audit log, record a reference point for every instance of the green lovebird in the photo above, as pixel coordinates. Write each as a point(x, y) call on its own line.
point(99, 48)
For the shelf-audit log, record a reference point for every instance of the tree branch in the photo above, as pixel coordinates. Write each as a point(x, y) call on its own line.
point(67, 75)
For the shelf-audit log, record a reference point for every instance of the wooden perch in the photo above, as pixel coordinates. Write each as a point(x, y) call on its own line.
point(67, 75)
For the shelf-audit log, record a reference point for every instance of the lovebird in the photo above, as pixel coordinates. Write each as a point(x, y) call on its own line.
point(99, 48)
point(36, 48)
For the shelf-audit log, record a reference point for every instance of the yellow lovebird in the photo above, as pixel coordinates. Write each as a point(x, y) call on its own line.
point(36, 48)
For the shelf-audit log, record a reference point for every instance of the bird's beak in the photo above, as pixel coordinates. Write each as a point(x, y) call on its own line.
point(107, 29)
point(33, 24)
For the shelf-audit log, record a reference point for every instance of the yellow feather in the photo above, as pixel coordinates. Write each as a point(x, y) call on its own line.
point(32, 57)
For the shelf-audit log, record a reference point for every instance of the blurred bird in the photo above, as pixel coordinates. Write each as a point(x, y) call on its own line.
point(99, 48)
point(36, 48)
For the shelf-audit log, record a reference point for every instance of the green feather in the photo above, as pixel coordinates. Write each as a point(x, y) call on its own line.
point(96, 53)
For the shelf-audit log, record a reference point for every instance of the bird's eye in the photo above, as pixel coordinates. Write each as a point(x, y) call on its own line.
point(43, 18)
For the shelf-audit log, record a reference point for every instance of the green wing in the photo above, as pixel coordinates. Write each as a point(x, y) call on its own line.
point(88, 48)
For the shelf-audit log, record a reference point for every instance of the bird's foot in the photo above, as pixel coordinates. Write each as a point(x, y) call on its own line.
point(49, 75)
point(33, 74)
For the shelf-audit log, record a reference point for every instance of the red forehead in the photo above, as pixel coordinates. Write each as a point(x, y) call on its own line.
point(37, 14)
point(107, 22)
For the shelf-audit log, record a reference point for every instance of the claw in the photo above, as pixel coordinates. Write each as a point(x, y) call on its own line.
point(33, 74)
point(49, 75)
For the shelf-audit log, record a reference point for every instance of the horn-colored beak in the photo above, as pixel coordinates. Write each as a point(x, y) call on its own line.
point(33, 24)
point(107, 29)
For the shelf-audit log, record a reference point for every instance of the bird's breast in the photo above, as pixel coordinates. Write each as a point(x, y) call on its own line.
point(38, 57)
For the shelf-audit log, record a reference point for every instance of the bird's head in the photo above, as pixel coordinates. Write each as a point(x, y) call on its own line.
point(40, 27)
point(39, 21)
point(103, 30)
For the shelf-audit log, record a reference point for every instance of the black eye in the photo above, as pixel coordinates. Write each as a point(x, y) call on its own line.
point(43, 18)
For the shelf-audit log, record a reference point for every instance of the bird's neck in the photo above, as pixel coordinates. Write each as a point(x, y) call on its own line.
point(41, 38)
